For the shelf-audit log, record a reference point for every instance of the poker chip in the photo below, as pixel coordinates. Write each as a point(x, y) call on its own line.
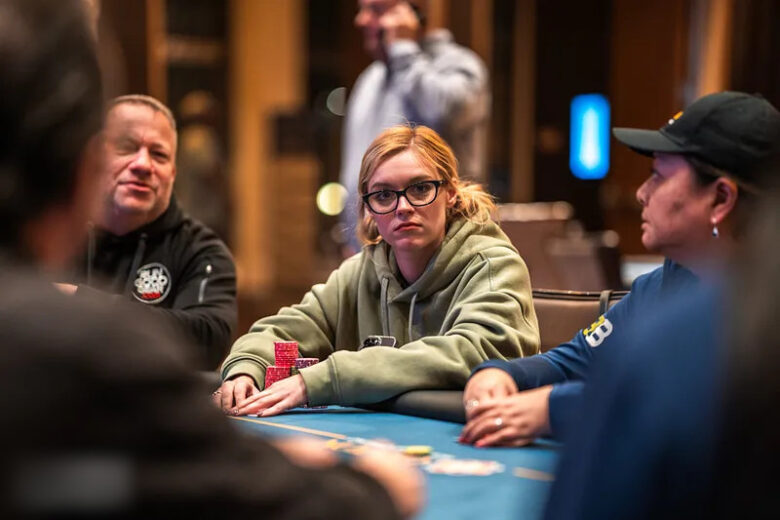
point(428, 459)
point(418, 451)
point(275, 373)
point(304, 362)
point(285, 353)
point(287, 364)
point(464, 467)
point(336, 444)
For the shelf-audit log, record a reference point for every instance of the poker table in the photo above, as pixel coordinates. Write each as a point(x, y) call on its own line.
point(517, 488)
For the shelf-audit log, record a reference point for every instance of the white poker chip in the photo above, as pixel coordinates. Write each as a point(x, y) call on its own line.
point(464, 467)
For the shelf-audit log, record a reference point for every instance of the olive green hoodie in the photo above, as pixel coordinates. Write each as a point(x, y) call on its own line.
point(472, 303)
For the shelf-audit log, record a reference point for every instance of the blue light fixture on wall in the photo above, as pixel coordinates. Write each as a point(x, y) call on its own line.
point(589, 138)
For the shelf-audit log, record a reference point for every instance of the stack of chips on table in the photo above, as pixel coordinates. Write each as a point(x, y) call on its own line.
point(285, 353)
point(303, 362)
point(286, 362)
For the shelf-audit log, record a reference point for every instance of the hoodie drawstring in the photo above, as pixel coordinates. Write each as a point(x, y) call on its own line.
point(139, 253)
point(385, 309)
point(411, 316)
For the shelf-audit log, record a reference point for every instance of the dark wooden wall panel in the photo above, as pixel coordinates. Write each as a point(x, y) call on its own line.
point(649, 61)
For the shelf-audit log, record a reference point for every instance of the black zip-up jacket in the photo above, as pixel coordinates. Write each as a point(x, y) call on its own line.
point(174, 266)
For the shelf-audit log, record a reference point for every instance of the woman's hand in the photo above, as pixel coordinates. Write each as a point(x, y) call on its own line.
point(280, 396)
point(514, 420)
point(234, 392)
point(485, 385)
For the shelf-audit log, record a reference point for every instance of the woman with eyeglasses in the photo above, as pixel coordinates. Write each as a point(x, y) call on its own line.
point(436, 290)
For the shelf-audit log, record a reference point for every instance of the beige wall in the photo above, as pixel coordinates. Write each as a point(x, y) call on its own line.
point(709, 67)
point(267, 67)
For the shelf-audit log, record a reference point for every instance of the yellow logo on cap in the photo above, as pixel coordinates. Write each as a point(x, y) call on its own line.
point(676, 117)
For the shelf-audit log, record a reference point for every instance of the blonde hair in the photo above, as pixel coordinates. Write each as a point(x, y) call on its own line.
point(435, 155)
point(141, 99)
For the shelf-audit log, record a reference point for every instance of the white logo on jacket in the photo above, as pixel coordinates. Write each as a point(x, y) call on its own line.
point(152, 284)
point(598, 331)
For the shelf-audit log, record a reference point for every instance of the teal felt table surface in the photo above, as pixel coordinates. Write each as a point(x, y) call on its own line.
point(519, 491)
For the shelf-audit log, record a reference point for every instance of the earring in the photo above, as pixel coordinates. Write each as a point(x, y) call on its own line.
point(715, 232)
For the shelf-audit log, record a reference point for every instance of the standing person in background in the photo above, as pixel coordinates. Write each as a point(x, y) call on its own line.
point(144, 247)
point(437, 290)
point(417, 77)
point(101, 416)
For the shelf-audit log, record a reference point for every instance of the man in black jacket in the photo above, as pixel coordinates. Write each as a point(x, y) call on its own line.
point(144, 247)
point(101, 417)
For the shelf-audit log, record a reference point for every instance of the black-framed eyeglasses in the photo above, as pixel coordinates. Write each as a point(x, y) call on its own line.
point(418, 194)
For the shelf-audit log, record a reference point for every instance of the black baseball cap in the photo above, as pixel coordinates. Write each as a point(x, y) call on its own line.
point(733, 131)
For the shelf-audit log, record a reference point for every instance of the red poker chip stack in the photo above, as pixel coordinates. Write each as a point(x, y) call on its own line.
point(275, 373)
point(287, 363)
point(285, 353)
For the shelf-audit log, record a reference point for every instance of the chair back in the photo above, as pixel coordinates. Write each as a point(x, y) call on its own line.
point(529, 226)
point(562, 314)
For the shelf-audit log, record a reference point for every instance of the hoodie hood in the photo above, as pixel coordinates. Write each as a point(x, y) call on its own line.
point(462, 243)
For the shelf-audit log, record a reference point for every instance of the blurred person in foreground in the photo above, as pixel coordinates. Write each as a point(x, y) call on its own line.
point(696, 206)
point(678, 423)
point(144, 248)
point(437, 289)
point(101, 418)
point(418, 76)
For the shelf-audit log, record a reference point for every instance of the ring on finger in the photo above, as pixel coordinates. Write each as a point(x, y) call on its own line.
point(499, 422)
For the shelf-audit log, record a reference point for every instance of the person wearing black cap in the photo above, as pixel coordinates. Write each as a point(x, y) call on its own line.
point(677, 422)
point(708, 169)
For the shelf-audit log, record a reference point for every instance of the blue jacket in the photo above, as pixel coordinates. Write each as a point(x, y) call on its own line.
point(648, 440)
point(567, 365)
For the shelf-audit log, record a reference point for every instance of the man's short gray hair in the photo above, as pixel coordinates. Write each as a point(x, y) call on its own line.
point(140, 99)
